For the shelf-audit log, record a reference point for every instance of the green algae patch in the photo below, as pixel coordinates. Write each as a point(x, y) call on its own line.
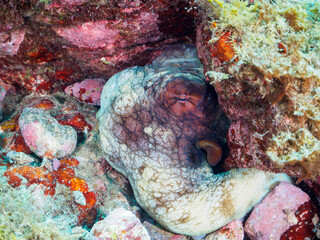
point(279, 38)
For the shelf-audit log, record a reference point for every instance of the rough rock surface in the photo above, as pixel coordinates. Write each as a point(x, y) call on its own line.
point(46, 45)
point(284, 213)
point(45, 136)
point(267, 85)
point(120, 223)
point(232, 231)
point(158, 233)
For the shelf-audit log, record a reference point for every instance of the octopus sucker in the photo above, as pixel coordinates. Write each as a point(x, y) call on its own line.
point(151, 122)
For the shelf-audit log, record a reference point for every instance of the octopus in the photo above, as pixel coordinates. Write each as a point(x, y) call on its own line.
point(158, 124)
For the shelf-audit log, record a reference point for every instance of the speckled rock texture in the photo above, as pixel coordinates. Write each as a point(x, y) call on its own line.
point(232, 231)
point(47, 45)
point(285, 213)
point(45, 136)
point(150, 121)
point(120, 223)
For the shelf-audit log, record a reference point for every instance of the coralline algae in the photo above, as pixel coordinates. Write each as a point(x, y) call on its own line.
point(278, 215)
point(87, 91)
point(150, 121)
point(45, 136)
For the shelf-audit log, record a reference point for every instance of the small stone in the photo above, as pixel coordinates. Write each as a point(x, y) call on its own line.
point(119, 224)
point(45, 136)
point(55, 164)
point(232, 231)
point(79, 198)
point(87, 91)
point(279, 215)
point(19, 158)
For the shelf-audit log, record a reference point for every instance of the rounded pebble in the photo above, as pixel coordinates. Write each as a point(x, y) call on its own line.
point(45, 136)
point(121, 223)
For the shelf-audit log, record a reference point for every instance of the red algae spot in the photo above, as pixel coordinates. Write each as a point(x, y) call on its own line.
point(282, 48)
point(305, 226)
point(40, 55)
point(44, 104)
point(77, 121)
point(63, 74)
point(19, 145)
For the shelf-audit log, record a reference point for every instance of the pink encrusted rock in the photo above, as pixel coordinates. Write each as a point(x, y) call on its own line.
point(65, 3)
point(87, 91)
point(45, 136)
point(2, 95)
point(119, 224)
point(232, 231)
point(10, 43)
point(106, 34)
point(90, 35)
point(276, 213)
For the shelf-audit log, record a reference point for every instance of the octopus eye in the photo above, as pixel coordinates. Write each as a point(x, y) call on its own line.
point(182, 98)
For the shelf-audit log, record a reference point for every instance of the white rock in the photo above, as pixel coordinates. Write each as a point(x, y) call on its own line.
point(119, 224)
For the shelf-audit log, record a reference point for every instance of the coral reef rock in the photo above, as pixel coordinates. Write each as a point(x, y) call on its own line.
point(150, 121)
point(120, 223)
point(46, 45)
point(284, 213)
point(45, 136)
point(263, 60)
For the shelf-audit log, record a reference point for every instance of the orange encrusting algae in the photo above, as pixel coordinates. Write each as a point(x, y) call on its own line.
point(77, 121)
point(65, 175)
point(44, 104)
point(10, 125)
point(222, 49)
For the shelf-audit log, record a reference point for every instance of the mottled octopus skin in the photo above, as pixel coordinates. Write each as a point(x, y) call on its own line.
point(151, 119)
